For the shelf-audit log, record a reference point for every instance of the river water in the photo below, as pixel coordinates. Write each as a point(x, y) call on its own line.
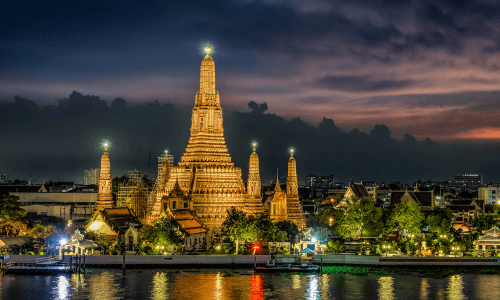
point(242, 284)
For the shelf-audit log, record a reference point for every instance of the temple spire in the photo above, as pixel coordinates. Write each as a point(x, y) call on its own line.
point(105, 197)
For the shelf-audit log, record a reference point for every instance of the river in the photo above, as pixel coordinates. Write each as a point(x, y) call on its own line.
point(105, 284)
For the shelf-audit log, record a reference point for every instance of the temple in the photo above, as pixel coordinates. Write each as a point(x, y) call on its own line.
point(105, 197)
point(205, 181)
point(294, 210)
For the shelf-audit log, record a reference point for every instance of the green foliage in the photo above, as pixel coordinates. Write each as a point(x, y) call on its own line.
point(289, 226)
point(337, 246)
point(281, 236)
point(166, 232)
point(148, 250)
point(239, 227)
point(41, 231)
point(407, 215)
point(286, 251)
point(115, 183)
point(361, 216)
point(483, 222)
point(12, 216)
point(440, 221)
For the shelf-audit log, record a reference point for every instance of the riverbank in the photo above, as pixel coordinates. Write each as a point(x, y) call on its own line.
point(248, 261)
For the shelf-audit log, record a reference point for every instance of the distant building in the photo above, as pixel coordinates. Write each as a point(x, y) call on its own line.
point(425, 199)
point(489, 193)
point(4, 178)
point(466, 181)
point(91, 176)
point(313, 181)
point(68, 206)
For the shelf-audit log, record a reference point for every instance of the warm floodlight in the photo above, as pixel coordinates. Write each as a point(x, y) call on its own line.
point(313, 240)
point(63, 241)
point(208, 50)
point(105, 144)
point(291, 151)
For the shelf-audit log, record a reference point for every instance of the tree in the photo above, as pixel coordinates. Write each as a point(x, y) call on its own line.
point(289, 227)
point(407, 215)
point(12, 216)
point(440, 221)
point(238, 227)
point(360, 217)
point(166, 232)
point(483, 222)
point(41, 232)
point(266, 229)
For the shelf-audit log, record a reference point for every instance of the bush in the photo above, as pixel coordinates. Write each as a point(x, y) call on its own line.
point(30, 253)
point(286, 251)
point(148, 250)
point(227, 250)
point(114, 252)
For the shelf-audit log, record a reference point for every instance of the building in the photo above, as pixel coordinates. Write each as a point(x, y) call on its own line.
point(466, 182)
point(133, 193)
point(425, 199)
point(116, 223)
point(315, 181)
point(105, 197)
point(489, 241)
point(205, 174)
point(490, 193)
point(91, 176)
point(75, 207)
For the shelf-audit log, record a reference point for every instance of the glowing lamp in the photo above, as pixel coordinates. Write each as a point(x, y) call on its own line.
point(313, 240)
point(63, 241)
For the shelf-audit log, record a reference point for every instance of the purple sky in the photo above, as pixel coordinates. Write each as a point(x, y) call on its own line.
point(426, 68)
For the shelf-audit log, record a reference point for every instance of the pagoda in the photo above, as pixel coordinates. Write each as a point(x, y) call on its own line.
point(294, 210)
point(105, 197)
point(205, 174)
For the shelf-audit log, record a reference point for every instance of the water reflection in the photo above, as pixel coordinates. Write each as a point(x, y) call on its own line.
point(102, 286)
point(62, 288)
point(455, 287)
point(160, 286)
point(312, 288)
point(296, 282)
point(485, 286)
point(256, 288)
point(424, 289)
point(386, 288)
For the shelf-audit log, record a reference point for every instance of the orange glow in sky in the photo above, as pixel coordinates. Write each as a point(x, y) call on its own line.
point(481, 133)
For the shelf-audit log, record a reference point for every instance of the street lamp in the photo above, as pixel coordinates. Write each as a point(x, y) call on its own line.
point(386, 249)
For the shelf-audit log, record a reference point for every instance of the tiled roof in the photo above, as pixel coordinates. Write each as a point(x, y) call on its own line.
point(358, 189)
point(422, 198)
point(121, 218)
point(188, 221)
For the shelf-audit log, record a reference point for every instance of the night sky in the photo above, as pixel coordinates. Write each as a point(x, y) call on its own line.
point(428, 71)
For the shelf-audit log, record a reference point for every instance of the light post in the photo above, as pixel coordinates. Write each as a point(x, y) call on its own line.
point(386, 249)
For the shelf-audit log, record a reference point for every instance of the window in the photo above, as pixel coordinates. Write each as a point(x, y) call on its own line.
point(173, 204)
point(43, 213)
point(185, 205)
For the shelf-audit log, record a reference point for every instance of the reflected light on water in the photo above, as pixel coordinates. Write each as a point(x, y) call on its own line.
point(160, 286)
point(256, 288)
point(61, 290)
point(386, 288)
point(455, 288)
point(218, 286)
point(102, 286)
point(424, 289)
point(313, 288)
point(296, 282)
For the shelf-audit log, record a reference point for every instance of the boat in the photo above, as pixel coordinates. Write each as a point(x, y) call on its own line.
point(45, 265)
point(288, 264)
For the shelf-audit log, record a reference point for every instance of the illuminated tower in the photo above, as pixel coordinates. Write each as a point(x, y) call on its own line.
point(205, 174)
point(254, 203)
point(294, 209)
point(105, 197)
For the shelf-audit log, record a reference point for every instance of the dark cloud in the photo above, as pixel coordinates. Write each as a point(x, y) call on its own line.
point(60, 141)
point(361, 83)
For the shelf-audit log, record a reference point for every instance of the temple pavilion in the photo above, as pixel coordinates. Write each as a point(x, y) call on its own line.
point(489, 240)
